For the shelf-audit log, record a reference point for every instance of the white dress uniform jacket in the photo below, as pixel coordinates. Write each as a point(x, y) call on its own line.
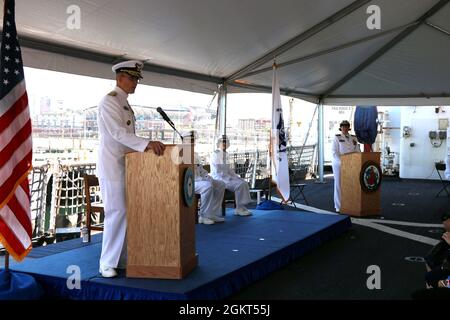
point(211, 192)
point(221, 171)
point(341, 145)
point(117, 136)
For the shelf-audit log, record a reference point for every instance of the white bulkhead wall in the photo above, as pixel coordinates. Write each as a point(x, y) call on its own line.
point(390, 118)
point(418, 153)
point(448, 140)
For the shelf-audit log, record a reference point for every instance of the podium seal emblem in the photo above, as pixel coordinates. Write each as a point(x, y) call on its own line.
point(188, 187)
point(370, 176)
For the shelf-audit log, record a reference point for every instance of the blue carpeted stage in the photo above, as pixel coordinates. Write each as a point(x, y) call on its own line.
point(231, 255)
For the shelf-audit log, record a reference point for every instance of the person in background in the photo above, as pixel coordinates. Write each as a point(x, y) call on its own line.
point(343, 143)
point(211, 194)
point(117, 137)
point(438, 260)
point(221, 171)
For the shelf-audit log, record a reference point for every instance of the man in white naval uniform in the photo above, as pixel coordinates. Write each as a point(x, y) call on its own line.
point(221, 171)
point(343, 143)
point(211, 194)
point(117, 136)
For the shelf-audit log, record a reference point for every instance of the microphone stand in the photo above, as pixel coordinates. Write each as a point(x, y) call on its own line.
point(167, 119)
point(175, 130)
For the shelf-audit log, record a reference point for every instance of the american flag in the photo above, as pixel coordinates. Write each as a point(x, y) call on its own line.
point(15, 143)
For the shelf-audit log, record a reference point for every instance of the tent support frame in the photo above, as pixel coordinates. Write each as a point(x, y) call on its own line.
point(47, 46)
point(438, 28)
point(271, 55)
point(331, 50)
point(385, 48)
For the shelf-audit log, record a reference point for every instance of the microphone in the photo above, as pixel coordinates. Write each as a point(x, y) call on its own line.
point(167, 119)
point(165, 116)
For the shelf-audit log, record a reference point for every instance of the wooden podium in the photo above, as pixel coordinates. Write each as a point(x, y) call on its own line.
point(160, 226)
point(356, 199)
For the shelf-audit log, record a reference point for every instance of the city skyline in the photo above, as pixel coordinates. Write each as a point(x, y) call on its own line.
point(76, 92)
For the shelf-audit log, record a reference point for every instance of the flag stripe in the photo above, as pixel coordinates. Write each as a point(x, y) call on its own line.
point(8, 134)
point(7, 119)
point(23, 151)
point(9, 218)
point(24, 197)
point(21, 215)
point(8, 187)
point(22, 135)
point(10, 241)
point(11, 98)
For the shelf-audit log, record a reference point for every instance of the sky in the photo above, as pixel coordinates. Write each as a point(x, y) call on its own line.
point(88, 91)
point(81, 92)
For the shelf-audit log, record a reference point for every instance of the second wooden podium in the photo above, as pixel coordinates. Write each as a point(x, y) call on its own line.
point(160, 223)
point(360, 182)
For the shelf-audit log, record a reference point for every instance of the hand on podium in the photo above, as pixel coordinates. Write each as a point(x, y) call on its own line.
point(157, 147)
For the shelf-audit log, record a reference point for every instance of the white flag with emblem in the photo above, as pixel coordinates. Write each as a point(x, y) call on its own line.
point(278, 141)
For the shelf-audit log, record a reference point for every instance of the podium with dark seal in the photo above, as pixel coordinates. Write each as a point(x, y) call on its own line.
point(161, 213)
point(360, 183)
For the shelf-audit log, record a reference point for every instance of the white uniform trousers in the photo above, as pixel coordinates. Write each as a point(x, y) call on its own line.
point(114, 246)
point(241, 190)
point(211, 195)
point(336, 164)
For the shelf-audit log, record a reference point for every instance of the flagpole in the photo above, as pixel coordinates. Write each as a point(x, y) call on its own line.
point(6, 261)
point(269, 197)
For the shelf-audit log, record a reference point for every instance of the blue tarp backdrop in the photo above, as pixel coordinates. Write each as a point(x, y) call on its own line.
point(365, 123)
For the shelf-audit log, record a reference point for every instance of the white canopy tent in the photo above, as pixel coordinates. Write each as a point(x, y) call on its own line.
point(325, 51)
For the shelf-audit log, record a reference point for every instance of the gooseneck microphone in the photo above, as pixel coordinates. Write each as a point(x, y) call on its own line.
point(165, 116)
point(167, 119)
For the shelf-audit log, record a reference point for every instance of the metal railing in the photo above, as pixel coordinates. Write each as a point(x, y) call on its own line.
point(68, 195)
point(68, 192)
point(252, 165)
point(38, 180)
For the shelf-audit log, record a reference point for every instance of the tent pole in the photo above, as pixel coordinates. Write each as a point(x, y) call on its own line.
point(269, 196)
point(321, 141)
point(222, 115)
point(222, 101)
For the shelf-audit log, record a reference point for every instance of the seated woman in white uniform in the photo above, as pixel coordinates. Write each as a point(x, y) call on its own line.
point(221, 171)
point(211, 194)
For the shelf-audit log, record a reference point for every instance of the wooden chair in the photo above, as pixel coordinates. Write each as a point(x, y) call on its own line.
point(92, 207)
point(228, 197)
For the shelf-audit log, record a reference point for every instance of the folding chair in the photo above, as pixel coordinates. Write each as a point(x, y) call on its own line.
point(296, 188)
point(445, 183)
point(299, 188)
point(92, 205)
